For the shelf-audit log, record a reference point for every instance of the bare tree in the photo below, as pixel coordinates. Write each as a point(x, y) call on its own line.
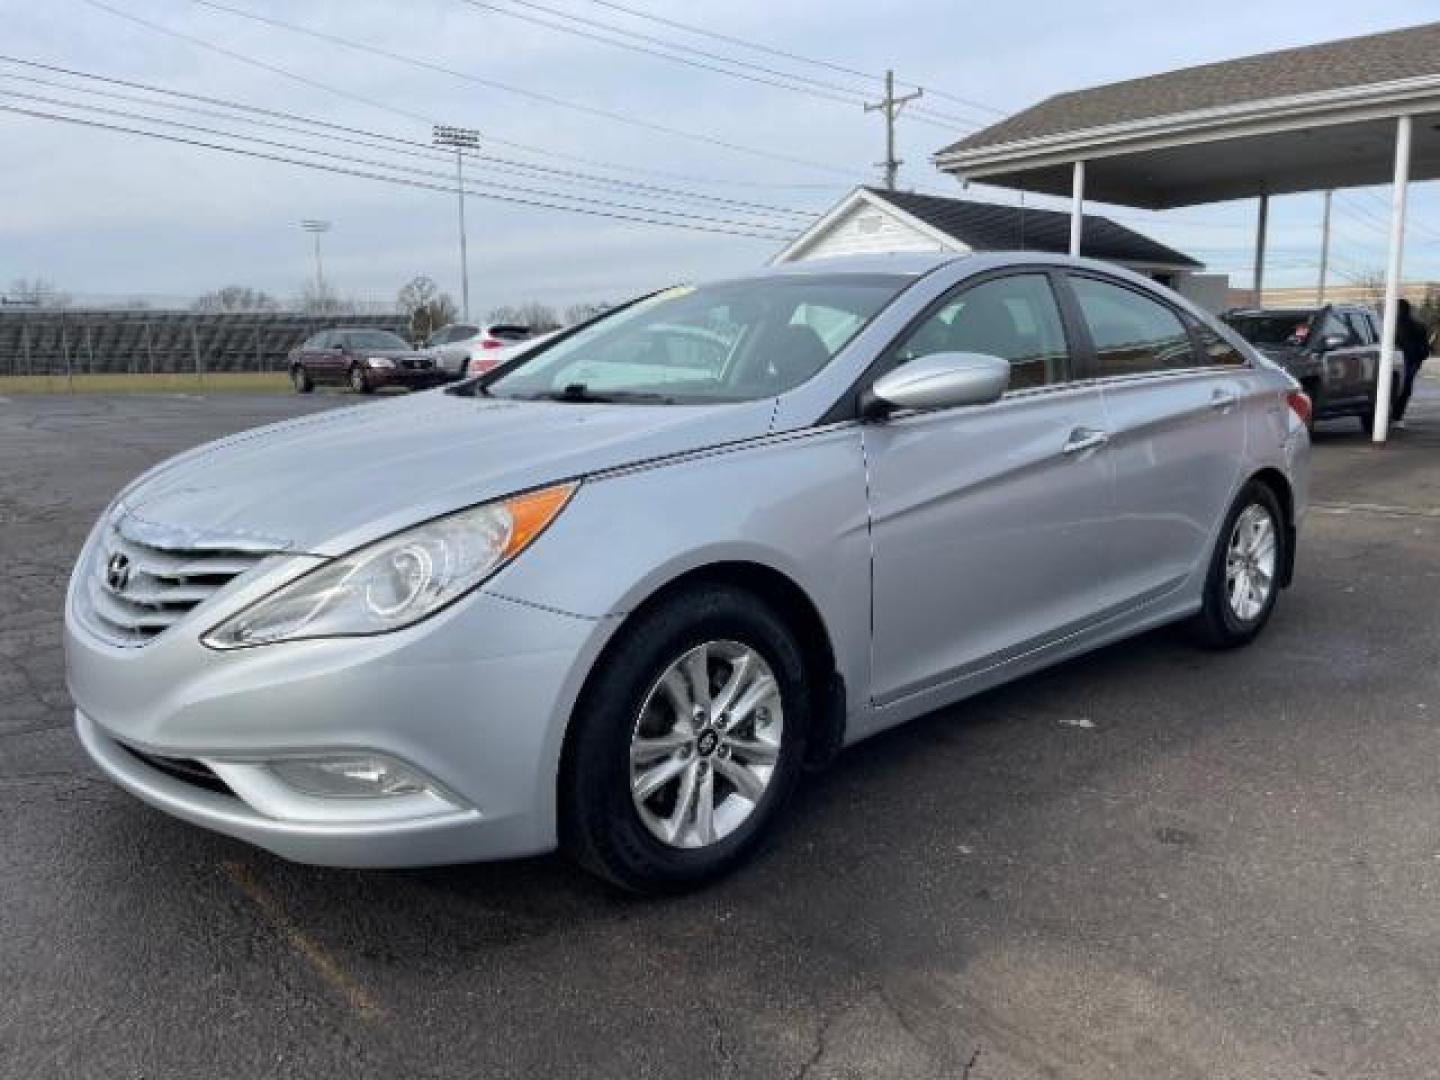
point(427, 308)
point(236, 298)
point(532, 313)
point(322, 300)
point(577, 313)
point(38, 292)
point(1370, 286)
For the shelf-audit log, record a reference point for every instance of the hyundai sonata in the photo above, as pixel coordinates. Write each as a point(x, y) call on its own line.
point(617, 594)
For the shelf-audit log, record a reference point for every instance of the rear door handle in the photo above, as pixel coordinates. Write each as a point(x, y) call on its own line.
point(1221, 400)
point(1082, 439)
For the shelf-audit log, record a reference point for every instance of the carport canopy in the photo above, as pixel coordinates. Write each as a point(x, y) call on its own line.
point(1339, 114)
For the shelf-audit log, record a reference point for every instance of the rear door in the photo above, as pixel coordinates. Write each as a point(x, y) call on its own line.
point(1173, 406)
point(989, 522)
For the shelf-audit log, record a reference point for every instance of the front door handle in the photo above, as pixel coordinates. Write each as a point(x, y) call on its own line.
point(1083, 438)
point(1222, 400)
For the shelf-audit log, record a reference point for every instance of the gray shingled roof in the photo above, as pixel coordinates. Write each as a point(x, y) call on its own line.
point(992, 227)
point(1332, 65)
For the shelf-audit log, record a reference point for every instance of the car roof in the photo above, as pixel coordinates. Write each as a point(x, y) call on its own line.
point(907, 263)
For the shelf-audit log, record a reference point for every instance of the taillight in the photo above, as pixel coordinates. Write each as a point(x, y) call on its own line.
point(478, 365)
point(1299, 403)
point(491, 343)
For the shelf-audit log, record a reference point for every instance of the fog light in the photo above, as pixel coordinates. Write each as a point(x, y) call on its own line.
point(364, 776)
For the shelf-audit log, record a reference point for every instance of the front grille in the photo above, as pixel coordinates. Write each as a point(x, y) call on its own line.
point(138, 590)
point(187, 769)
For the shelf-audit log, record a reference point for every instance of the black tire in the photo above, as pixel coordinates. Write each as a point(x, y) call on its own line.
point(358, 382)
point(599, 823)
point(1217, 625)
point(300, 379)
point(1367, 422)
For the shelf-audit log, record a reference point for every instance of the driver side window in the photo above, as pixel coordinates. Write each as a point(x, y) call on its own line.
point(1013, 317)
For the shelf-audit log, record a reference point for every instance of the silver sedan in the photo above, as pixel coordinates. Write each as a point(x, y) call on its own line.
point(614, 595)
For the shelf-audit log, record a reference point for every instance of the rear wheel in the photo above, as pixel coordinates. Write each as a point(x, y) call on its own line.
point(687, 743)
point(300, 379)
point(358, 382)
point(1244, 577)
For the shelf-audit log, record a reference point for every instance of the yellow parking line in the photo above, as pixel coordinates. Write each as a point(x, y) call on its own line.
point(315, 954)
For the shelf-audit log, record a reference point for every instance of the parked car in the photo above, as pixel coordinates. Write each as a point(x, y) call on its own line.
point(362, 358)
point(462, 349)
point(614, 595)
point(1332, 350)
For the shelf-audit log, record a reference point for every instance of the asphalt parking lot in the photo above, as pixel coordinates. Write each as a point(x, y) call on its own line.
point(1153, 862)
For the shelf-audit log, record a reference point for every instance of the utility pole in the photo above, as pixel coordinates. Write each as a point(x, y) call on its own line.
point(316, 228)
point(460, 140)
point(891, 106)
point(1324, 249)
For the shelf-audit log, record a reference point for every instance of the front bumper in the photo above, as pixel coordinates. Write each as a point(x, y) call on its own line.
point(411, 377)
point(475, 700)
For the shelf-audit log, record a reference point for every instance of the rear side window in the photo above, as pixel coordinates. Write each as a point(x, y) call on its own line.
point(1360, 326)
point(1014, 317)
point(1217, 350)
point(1133, 334)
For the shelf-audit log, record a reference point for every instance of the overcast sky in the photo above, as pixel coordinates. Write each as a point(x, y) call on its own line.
point(106, 213)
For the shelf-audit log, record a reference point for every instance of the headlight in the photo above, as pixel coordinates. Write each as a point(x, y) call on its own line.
point(379, 362)
point(396, 582)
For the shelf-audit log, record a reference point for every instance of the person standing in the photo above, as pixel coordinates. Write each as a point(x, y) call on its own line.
point(1413, 341)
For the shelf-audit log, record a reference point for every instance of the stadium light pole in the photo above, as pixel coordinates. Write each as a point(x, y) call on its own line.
point(316, 228)
point(460, 140)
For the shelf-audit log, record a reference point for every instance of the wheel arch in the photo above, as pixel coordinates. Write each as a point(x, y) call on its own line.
point(802, 616)
point(1279, 485)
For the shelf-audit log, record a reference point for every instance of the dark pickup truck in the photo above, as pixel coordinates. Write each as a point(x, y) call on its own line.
point(1333, 350)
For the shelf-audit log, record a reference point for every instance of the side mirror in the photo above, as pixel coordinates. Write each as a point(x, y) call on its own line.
point(938, 381)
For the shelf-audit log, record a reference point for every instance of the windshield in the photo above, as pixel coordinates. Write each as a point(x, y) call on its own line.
point(1272, 327)
point(732, 341)
point(374, 339)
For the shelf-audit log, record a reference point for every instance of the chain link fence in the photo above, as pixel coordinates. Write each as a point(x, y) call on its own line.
point(94, 342)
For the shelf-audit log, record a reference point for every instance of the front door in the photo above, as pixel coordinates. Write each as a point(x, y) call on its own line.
point(989, 522)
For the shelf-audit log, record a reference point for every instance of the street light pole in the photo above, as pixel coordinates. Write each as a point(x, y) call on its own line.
point(460, 140)
point(315, 228)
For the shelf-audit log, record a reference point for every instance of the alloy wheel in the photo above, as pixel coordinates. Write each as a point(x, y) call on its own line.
point(705, 744)
point(1250, 562)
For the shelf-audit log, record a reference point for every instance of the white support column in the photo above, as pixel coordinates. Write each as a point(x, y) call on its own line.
point(1077, 206)
point(1386, 366)
point(1261, 226)
point(1324, 249)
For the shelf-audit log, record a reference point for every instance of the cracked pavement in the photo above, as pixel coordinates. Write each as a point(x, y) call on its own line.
point(1233, 870)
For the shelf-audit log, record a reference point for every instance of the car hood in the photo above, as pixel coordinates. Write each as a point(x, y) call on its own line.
point(328, 482)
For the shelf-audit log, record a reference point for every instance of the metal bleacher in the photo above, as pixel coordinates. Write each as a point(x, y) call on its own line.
point(85, 341)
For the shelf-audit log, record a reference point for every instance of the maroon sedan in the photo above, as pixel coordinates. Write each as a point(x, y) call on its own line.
point(363, 359)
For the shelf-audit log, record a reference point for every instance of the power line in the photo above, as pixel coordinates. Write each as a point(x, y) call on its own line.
point(828, 91)
point(693, 225)
point(371, 162)
point(400, 145)
point(770, 50)
point(376, 50)
point(524, 147)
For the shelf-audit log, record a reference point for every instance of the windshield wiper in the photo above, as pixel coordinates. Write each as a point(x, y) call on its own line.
point(579, 392)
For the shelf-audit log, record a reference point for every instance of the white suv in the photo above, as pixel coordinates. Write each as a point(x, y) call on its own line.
point(468, 349)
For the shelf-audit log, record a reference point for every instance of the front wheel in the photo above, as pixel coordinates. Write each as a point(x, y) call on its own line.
point(358, 382)
point(1244, 578)
point(300, 379)
point(687, 743)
